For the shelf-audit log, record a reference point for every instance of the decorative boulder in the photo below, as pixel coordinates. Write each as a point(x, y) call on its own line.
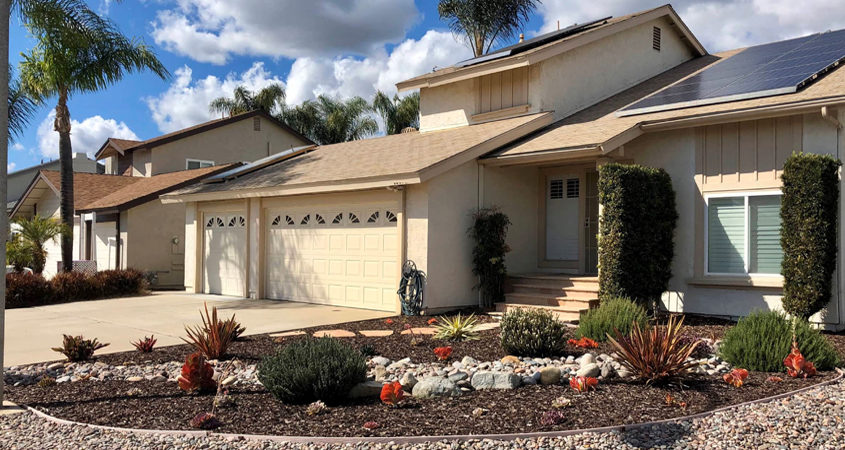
point(366, 389)
point(435, 387)
point(408, 381)
point(495, 380)
point(549, 375)
point(589, 370)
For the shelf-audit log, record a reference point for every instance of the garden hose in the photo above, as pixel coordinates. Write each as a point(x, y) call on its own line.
point(411, 288)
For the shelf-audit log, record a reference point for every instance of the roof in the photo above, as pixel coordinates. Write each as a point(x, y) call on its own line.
point(126, 145)
point(554, 47)
point(149, 188)
point(389, 160)
point(599, 126)
point(88, 187)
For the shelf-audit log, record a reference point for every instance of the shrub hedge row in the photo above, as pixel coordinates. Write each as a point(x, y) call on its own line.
point(26, 289)
point(808, 212)
point(636, 232)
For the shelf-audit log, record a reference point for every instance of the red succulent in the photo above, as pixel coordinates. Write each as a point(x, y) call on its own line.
point(392, 393)
point(583, 384)
point(371, 425)
point(736, 377)
point(197, 374)
point(389, 321)
point(796, 365)
point(205, 421)
point(774, 379)
point(443, 353)
point(584, 342)
point(431, 321)
point(145, 345)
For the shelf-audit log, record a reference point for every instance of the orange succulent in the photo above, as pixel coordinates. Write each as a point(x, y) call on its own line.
point(796, 365)
point(431, 321)
point(736, 377)
point(388, 321)
point(774, 379)
point(392, 393)
point(443, 353)
point(584, 342)
point(583, 384)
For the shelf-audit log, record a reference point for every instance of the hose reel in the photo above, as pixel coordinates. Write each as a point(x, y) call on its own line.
point(411, 288)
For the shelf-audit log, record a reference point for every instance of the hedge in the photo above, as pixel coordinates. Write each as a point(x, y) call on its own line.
point(27, 289)
point(808, 213)
point(488, 232)
point(636, 232)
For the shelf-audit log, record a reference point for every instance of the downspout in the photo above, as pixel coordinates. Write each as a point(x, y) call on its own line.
point(117, 242)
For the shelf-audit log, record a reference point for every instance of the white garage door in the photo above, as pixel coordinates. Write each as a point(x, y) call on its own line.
point(345, 256)
point(224, 254)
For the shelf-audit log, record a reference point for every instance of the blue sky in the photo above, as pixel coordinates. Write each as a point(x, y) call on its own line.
point(334, 47)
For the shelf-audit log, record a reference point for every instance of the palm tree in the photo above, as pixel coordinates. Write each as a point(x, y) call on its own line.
point(399, 113)
point(36, 232)
point(269, 99)
point(21, 108)
point(76, 51)
point(486, 22)
point(18, 253)
point(328, 121)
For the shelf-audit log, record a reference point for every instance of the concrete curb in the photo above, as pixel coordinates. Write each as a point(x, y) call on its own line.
point(420, 439)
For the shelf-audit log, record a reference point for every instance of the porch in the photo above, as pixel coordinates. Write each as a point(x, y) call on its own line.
point(564, 295)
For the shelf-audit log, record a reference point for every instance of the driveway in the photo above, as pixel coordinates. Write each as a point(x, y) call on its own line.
point(31, 332)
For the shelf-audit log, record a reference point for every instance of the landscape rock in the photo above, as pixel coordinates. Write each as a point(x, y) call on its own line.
point(366, 389)
point(435, 387)
point(549, 375)
point(587, 359)
point(380, 361)
point(408, 381)
point(589, 370)
point(379, 373)
point(495, 380)
point(510, 359)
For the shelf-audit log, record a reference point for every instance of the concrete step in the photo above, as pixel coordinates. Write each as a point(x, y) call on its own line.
point(557, 282)
point(574, 303)
point(563, 314)
point(556, 291)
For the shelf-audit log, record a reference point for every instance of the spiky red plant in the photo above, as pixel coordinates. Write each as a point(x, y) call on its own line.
point(583, 384)
point(146, 344)
point(796, 365)
point(392, 393)
point(197, 374)
point(443, 353)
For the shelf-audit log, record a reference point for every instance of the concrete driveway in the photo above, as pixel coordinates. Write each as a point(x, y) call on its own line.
point(31, 332)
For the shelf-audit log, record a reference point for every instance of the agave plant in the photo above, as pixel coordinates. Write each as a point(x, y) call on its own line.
point(457, 328)
point(212, 339)
point(197, 374)
point(77, 348)
point(657, 353)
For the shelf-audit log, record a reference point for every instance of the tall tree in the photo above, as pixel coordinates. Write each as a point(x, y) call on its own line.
point(270, 99)
point(483, 23)
point(36, 232)
point(21, 108)
point(399, 113)
point(76, 51)
point(328, 121)
point(5, 11)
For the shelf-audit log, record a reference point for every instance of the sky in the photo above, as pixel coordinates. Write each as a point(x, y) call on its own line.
point(340, 48)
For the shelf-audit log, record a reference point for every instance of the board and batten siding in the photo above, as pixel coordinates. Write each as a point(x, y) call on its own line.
point(502, 90)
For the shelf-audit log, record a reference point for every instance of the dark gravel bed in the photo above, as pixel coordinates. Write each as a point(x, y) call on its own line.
point(163, 406)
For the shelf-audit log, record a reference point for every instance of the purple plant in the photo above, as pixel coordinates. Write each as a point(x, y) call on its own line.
point(205, 421)
point(553, 417)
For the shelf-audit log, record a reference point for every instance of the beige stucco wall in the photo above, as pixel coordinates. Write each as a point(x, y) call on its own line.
point(156, 241)
point(141, 164)
point(234, 142)
point(515, 190)
point(104, 254)
point(570, 81)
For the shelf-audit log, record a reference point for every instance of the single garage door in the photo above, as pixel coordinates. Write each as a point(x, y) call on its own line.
point(224, 254)
point(345, 256)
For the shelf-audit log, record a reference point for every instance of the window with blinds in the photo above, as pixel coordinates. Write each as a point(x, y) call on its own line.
point(743, 235)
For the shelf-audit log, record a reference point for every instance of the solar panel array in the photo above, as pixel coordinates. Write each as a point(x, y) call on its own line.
point(760, 71)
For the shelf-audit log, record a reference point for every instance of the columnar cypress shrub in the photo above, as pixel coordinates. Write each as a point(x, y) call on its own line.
point(488, 232)
point(808, 213)
point(635, 232)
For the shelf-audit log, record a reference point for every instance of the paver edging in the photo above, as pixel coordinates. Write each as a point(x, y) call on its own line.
point(419, 439)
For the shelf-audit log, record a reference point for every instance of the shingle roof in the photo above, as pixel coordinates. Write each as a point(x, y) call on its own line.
point(152, 186)
point(596, 125)
point(90, 187)
point(393, 155)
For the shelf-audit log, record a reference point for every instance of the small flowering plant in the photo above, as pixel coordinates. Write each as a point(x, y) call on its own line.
point(736, 377)
point(392, 394)
point(583, 384)
point(584, 342)
point(443, 353)
point(431, 321)
point(388, 321)
point(796, 365)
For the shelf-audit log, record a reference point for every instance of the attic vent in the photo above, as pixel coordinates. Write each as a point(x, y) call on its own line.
point(256, 124)
point(655, 38)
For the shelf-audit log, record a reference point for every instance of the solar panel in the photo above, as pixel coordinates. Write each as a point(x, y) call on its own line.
point(257, 164)
point(760, 71)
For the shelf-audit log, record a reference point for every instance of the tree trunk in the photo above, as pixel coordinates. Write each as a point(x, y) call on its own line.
point(62, 126)
point(4, 158)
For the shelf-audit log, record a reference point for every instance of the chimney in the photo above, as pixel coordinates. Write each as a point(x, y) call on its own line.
point(558, 25)
point(521, 37)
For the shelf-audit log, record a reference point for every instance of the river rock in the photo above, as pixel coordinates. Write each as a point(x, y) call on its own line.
point(589, 370)
point(380, 361)
point(435, 387)
point(366, 389)
point(495, 380)
point(549, 375)
point(408, 381)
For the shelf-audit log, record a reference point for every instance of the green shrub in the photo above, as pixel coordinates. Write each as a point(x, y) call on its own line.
point(27, 289)
point(488, 232)
point(116, 283)
point(635, 232)
point(763, 339)
point(19, 253)
point(313, 369)
point(808, 236)
point(532, 332)
point(614, 314)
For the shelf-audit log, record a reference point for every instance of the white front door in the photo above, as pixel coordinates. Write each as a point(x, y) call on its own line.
point(224, 254)
point(563, 192)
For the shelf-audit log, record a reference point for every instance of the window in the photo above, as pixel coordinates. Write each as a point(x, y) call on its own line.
point(197, 164)
point(277, 220)
point(338, 219)
point(573, 187)
point(555, 189)
point(353, 218)
point(391, 218)
point(319, 219)
point(373, 218)
point(655, 38)
point(743, 234)
point(305, 220)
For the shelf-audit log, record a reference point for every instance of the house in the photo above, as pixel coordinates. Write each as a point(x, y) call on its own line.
point(120, 221)
point(19, 180)
point(526, 129)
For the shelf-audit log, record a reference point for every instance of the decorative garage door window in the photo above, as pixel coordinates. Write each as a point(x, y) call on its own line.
point(329, 219)
point(227, 221)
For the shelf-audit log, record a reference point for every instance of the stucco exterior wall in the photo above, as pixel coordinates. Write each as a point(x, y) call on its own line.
point(447, 106)
point(234, 142)
point(105, 247)
point(515, 190)
point(156, 241)
point(141, 165)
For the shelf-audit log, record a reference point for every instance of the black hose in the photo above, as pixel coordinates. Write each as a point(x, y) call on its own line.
point(411, 288)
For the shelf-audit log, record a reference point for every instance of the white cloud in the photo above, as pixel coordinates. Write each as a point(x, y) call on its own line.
point(17, 146)
point(10, 167)
point(719, 24)
point(214, 30)
point(185, 102)
point(86, 136)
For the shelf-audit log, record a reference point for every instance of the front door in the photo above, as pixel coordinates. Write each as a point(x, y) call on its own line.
point(563, 193)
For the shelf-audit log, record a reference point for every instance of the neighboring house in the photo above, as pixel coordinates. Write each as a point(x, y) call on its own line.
point(120, 221)
point(526, 129)
point(19, 180)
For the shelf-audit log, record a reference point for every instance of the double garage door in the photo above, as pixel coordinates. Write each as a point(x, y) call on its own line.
point(342, 255)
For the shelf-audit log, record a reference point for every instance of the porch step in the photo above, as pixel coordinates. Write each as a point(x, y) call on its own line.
point(554, 291)
point(563, 314)
point(586, 300)
point(564, 295)
point(575, 282)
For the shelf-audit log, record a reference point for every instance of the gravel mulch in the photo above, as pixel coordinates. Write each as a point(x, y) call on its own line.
point(812, 419)
point(159, 405)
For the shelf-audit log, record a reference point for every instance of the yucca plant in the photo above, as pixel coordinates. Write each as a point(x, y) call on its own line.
point(656, 353)
point(213, 338)
point(457, 328)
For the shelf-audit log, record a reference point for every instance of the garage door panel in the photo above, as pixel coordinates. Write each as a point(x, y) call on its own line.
point(224, 248)
point(348, 258)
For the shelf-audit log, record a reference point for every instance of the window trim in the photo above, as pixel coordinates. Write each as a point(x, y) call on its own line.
point(746, 195)
point(188, 161)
